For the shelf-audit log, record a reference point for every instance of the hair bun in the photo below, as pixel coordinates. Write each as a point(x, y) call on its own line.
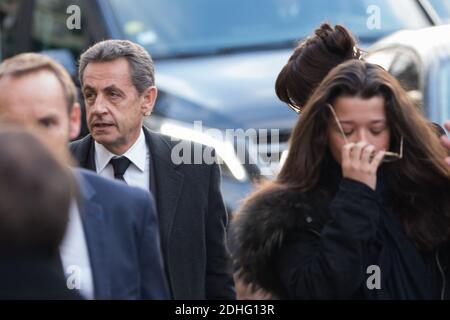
point(324, 31)
point(338, 40)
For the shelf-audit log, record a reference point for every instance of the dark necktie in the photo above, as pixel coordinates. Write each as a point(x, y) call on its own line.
point(120, 165)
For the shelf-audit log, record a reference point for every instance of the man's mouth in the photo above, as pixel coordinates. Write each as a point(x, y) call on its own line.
point(102, 125)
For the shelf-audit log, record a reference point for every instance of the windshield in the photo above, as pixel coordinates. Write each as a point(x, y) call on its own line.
point(182, 27)
point(442, 8)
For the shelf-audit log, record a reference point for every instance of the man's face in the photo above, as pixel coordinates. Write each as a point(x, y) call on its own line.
point(37, 101)
point(114, 108)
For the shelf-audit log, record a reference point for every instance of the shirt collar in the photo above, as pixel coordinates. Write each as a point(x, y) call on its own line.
point(137, 154)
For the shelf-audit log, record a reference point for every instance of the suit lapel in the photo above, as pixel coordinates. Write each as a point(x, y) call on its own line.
point(85, 153)
point(90, 160)
point(93, 219)
point(169, 183)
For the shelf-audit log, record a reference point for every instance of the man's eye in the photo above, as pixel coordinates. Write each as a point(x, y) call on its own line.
point(89, 96)
point(47, 123)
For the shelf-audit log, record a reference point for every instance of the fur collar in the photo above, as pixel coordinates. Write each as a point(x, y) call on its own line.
point(263, 224)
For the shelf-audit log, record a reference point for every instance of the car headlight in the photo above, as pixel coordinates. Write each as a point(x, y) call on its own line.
point(223, 147)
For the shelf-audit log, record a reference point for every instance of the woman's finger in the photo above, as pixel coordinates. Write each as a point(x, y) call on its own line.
point(377, 159)
point(346, 151)
point(367, 154)
point(447, 160)
point(447, 125)
point(445, 141)
point(357, 151)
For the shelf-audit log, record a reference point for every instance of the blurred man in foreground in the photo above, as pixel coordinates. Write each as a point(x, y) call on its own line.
point(36, 191)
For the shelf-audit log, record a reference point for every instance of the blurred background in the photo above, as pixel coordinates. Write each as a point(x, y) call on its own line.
point(217, 61)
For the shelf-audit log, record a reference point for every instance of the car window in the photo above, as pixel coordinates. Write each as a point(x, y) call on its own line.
point(405, 68)
point(8, 17)
point(383, 57)
point(442, 8)
point(439, 88)
point(180, 27)
point(50, 30)
point(404, 65)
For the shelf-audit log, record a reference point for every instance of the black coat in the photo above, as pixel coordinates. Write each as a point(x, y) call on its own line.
point(319, 245)
point(37, 278)
point(192, 219)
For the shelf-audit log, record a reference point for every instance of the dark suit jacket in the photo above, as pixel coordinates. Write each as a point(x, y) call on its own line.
point(192, 220)
point(121, 229)
point(33, 277)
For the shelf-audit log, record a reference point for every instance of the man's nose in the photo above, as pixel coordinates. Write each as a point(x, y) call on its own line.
point(100, 105)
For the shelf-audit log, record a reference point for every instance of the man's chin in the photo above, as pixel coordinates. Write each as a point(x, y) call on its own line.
point(102, 138)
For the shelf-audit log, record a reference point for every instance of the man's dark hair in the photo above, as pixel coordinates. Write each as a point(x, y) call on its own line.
point(142, 74)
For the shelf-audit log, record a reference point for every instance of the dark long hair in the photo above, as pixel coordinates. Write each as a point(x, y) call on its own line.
point(419, 183)
point(311, 61)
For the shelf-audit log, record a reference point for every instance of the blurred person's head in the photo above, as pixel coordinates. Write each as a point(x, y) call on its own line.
point(35, 194)
point(118, 85)
point(39, 93)
point(371, 106)
point(312, 60)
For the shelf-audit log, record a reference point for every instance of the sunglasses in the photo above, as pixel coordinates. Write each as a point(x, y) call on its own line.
point(388, 156)
point(294, 107)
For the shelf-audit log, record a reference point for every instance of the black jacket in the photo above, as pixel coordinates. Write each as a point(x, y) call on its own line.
point(319, 245)
point(192, 219)
point(33, 277)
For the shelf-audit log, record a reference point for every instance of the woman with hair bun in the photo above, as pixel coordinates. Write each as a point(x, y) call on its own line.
point(360, 209)
point(309, 64)
point(312, 60)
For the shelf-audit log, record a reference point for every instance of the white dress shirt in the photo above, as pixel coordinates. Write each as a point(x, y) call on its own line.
point(138, 173)
point(75, 256)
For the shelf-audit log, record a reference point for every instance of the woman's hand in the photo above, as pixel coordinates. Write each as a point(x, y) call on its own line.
point(358, 163)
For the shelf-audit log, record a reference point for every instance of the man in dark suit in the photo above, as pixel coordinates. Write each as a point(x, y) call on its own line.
point(35, 194)
point(111, 248)
point(118, 86)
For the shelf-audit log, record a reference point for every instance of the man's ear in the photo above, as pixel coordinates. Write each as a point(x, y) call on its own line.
point(75, 121)
point(149, 99)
